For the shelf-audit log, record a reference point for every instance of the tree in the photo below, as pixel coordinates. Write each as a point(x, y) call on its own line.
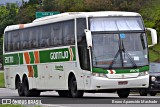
point(27, 11)
point(50, 5)
point(7, 16)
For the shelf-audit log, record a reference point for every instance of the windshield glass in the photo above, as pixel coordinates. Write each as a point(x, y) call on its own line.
point(116, 24)
point(119, 50)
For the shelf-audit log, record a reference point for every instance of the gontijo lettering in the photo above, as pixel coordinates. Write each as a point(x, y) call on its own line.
point(59, 55)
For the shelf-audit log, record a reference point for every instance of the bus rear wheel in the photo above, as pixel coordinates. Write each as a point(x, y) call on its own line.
point(73, 91)
point(123, 93)
point(27, 92)
point(19, 87)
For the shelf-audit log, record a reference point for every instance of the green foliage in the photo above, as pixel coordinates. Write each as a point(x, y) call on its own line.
point(27, 11)
point(26, 15)
point(7, 16)
point(2, 80)
point(49, 5)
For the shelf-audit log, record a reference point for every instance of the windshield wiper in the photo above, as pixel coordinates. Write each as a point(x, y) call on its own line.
point(129, 56)
point(122, 49)
point(116, 56)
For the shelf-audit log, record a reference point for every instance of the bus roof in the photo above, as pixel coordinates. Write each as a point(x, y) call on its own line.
point(68, 16)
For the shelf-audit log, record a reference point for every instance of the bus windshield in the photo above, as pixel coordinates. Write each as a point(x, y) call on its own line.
point(119, 50)
point(116, 24)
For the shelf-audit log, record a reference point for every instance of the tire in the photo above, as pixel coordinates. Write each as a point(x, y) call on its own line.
point(73, 92)
point(63, 93)
point(123, 93)
point(19, 87)
point(143, 92)
point(27, 92)
point(152, 93)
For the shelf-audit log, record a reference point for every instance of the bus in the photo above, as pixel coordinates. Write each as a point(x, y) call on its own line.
point(78, 52)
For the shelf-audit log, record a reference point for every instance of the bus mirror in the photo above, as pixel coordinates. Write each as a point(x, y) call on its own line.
point(153, 36)
point(88, 37)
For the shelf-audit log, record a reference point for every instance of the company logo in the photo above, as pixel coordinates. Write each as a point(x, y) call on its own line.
point(9, 59)
point(60, 68)
point(59, 55)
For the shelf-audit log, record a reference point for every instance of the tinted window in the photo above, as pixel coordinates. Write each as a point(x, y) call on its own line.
point(33, 37)
point(24, 39)
point(81, 25)
point(44, 36)
point(15, 40)
point(68, 33)
point(82, 44)
point(56, 34)
point(51, 35)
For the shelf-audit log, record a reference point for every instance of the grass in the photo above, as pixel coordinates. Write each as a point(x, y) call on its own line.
point(153, 56)
point(2, 80)
point(157, 47)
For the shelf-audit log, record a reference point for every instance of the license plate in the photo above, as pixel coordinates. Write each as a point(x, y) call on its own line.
point(122, 82)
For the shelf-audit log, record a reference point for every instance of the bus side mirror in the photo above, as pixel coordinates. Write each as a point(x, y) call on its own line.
point(88, 37)
point(153, 36)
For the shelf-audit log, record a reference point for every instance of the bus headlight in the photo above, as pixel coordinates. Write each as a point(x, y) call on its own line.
point(143, 73)
point(99, 74)
point(153, 78)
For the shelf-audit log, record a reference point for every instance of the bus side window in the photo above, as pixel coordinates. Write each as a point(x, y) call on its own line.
point(68, 33)
point(24, 39)
point(82, 44)
point(33, 37)
point(6, 42)
point(45, 34)
point(56, 34)
point(16, 41)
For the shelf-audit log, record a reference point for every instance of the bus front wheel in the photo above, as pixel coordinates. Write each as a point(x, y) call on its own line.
point(73, 91)
point(123, 93)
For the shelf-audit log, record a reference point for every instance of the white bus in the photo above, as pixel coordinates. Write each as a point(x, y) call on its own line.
point(79, 52)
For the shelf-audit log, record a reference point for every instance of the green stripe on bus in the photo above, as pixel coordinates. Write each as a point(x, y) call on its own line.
point(21, 58)
point(141, 69)
point(31, 57)
point(57, 55)
point(45, 56)
point(35, 71)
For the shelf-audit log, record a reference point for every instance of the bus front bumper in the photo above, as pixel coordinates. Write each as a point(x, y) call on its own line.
point(98, 83)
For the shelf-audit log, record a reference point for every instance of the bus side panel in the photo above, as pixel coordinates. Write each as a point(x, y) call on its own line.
point(7, 77)
point(74, 67)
